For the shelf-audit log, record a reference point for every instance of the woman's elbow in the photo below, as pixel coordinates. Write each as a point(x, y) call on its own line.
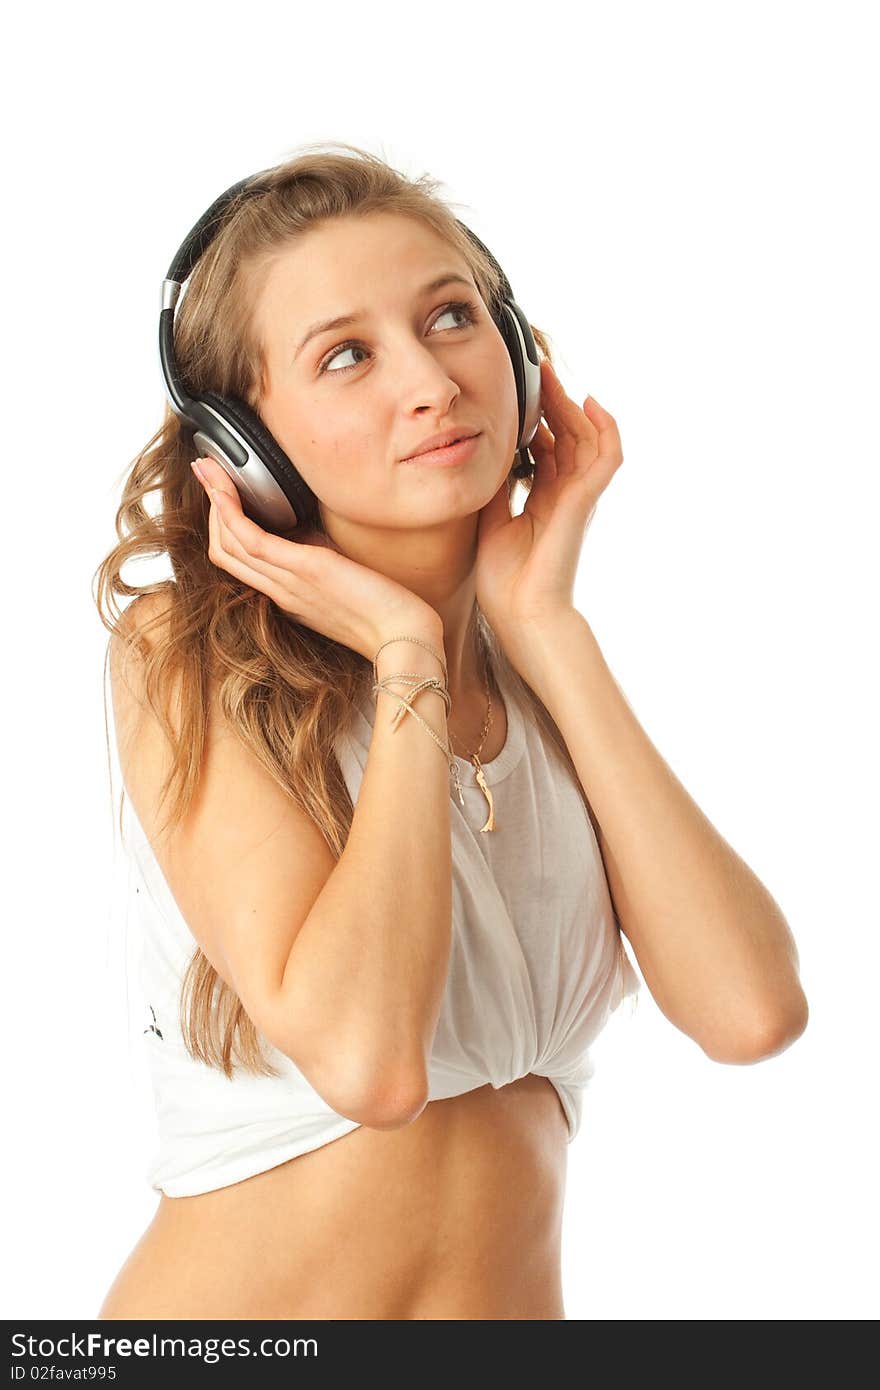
point(386, 1103)
point(773, 1033)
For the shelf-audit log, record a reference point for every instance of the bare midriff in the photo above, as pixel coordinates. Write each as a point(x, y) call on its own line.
point(457, 1215)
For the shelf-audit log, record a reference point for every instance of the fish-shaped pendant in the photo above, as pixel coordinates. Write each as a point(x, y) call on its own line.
point(484, 786)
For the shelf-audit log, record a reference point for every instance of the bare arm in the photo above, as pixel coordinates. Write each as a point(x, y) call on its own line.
point(341, 964)
point(365, 977)
point(711, 941)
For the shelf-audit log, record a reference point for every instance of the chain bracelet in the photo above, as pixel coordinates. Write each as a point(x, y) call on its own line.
point(420, 682)
point(419, 642)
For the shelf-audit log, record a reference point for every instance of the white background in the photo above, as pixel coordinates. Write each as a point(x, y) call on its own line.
point(682, 195)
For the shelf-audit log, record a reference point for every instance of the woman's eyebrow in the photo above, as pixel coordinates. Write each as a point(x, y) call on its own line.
point(342, 320)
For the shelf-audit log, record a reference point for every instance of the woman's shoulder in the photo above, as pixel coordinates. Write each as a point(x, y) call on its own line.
point(145, 620)
point(144, 631)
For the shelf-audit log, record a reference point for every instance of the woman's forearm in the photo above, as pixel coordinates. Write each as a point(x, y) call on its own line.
point(711, 942)
point(367, 971)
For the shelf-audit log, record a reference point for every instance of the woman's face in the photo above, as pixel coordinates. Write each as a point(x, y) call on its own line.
point(349, 403)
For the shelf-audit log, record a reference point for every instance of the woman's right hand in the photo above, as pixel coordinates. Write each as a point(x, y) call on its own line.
point(310, 578)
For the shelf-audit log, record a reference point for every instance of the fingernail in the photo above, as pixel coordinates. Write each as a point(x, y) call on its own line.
point(197, 470)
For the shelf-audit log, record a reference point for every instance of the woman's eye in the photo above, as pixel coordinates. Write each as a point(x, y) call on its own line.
point(463, 308)
point(338, 352)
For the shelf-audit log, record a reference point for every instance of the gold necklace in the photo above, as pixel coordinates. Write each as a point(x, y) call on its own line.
point(475, 757)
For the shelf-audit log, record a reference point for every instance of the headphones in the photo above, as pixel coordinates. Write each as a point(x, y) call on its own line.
point(272, 492)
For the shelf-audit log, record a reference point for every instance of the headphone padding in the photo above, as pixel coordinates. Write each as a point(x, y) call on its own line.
point(249, 424)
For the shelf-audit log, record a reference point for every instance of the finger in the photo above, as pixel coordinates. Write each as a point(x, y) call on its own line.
point(564, 428)
point(589, 419)
point(561, 411)
point(220, 551)
point(224, 552)
point(240, 535)
point(259, 551)
point(609, 435)
point(585, 436)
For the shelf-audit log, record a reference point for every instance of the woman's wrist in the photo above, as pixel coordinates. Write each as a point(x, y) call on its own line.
point(423, 656)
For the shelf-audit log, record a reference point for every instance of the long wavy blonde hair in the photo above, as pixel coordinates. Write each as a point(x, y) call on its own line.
point(285, 689)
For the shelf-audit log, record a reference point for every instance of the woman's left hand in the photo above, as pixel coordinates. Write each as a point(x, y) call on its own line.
point(526, 565)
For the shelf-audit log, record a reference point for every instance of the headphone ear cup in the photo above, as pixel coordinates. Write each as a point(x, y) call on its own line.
point(269, 452)
point(527, 370)
point(514, 350)
point(517, 333)
point(519, 339)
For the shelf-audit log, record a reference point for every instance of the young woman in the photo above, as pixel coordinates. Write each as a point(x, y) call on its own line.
point(410, 807)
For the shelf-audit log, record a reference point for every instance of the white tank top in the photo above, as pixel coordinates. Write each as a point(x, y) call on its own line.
point(536, 968)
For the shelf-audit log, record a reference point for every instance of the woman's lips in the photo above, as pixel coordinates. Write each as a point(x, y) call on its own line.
point(452, 453)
